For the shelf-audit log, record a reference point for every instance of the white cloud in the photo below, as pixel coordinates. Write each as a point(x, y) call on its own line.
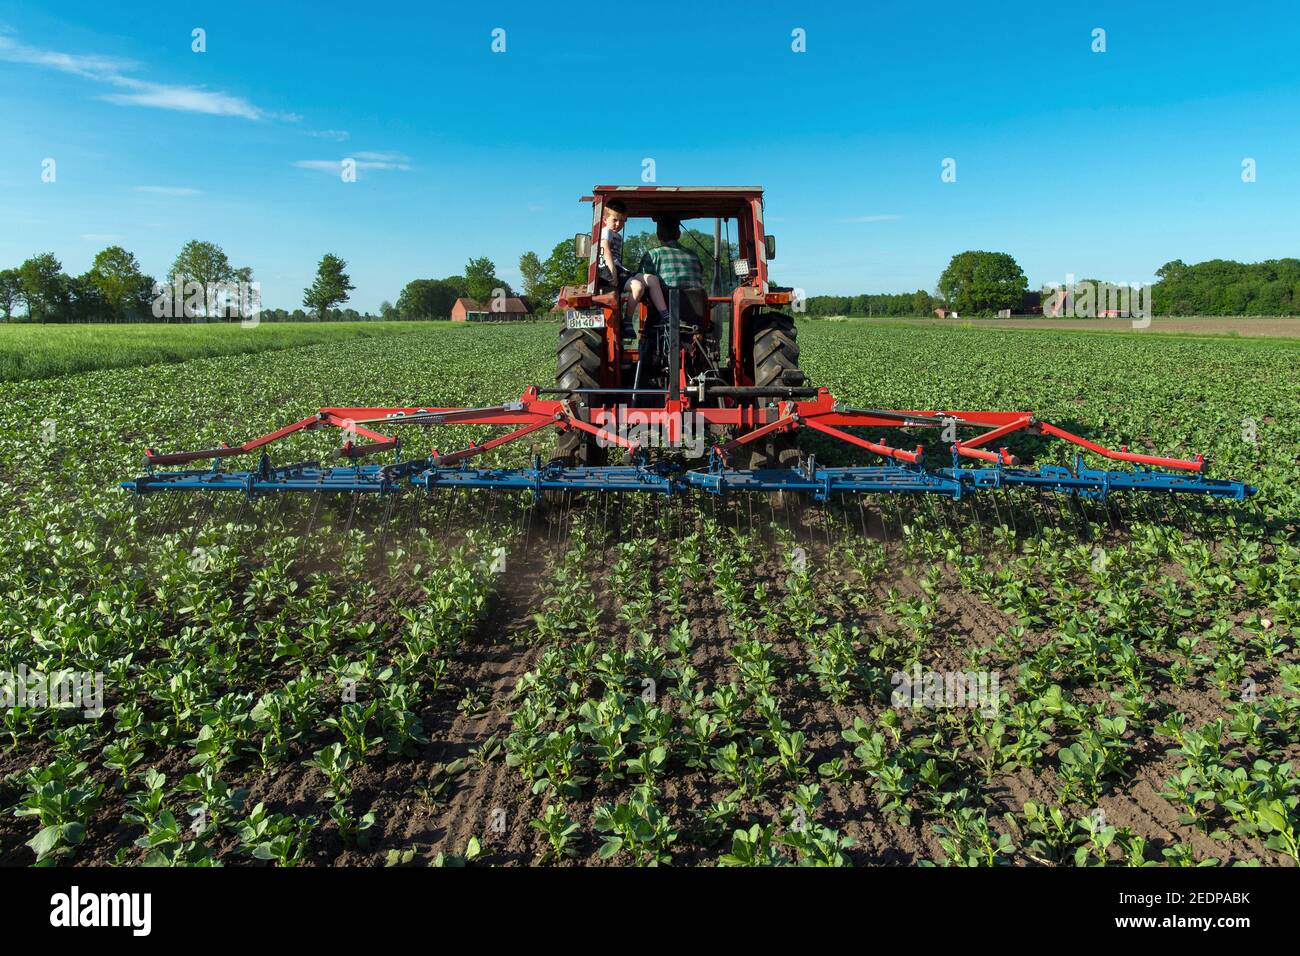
point(887, 217)
point(364, 160)
point(113, 72)
point(168, 190)
point(187, 99)
point(338, 135)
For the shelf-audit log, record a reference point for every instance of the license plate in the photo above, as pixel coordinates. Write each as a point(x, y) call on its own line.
point(584, 319)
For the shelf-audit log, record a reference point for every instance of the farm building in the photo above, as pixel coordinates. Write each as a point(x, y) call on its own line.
point(468, 310)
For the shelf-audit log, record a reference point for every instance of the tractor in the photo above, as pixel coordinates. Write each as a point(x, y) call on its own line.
point(734, 343)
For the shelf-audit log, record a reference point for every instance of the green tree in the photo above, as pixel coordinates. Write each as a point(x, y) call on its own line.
point(11, 291)
point(982, 282)
point(1224, 287)
point(124, 290)
point(530, 267)
point(83, 300)
point(482, 281)
point(387, 312)
point(561, 268)
point(427, 299)
point(331, 287)
point(44, 286)
point(207, 264)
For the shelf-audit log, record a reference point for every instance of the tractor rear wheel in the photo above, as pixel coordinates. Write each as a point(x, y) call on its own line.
point(579, 358)
point(776, 363)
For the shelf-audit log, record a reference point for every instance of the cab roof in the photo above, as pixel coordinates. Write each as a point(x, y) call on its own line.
point(684, 202)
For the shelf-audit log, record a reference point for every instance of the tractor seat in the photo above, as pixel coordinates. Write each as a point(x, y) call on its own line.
point(694, 305)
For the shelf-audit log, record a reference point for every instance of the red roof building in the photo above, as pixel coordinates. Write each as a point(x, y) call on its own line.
point(503, 310)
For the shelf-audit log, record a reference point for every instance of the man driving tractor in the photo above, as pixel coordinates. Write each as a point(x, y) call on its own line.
point(676, 266)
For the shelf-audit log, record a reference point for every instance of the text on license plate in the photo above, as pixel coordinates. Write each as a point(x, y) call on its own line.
point(584, 319)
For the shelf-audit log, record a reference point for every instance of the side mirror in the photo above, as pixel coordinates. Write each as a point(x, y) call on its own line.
point(769, 244)
point(582, 245)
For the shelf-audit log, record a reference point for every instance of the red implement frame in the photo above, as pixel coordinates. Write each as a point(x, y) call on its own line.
point(822, 414)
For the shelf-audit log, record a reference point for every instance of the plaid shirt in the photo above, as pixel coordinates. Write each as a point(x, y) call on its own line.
point(675, 265)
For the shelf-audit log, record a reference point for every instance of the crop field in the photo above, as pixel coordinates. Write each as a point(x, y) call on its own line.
point(43, 351)
point(449, 681)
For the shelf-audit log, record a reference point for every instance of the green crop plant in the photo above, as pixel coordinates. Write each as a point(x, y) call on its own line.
point(753, 847)
point(637, 827)
point(560, 831)
point(274, 837)
point(967, 840)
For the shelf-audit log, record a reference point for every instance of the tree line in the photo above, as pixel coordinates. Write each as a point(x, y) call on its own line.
point(1224, 287)
point(203, 284)
point(115, 289)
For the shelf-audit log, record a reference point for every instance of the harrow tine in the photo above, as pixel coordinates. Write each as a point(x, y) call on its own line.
point(451, 507)
point(996, 510)
point(315, 508)
point(976, 520)
point(1182, 513)
point(197, 525)
point(1074, 513)
point(1033, 514)
point(173, 517)
point(383, 532)
point(554, 518)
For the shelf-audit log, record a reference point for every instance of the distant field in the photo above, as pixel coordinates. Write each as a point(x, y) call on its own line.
point(42, 351)
point(1248, 326)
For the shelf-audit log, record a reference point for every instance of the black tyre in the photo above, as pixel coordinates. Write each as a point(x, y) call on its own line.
point(776, 363)
point(579, 358)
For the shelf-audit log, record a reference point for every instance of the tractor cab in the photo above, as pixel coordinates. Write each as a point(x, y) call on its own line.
point(722, 225)
point(728, 335)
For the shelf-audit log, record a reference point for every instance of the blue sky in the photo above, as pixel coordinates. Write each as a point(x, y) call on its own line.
point(1097, 164)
